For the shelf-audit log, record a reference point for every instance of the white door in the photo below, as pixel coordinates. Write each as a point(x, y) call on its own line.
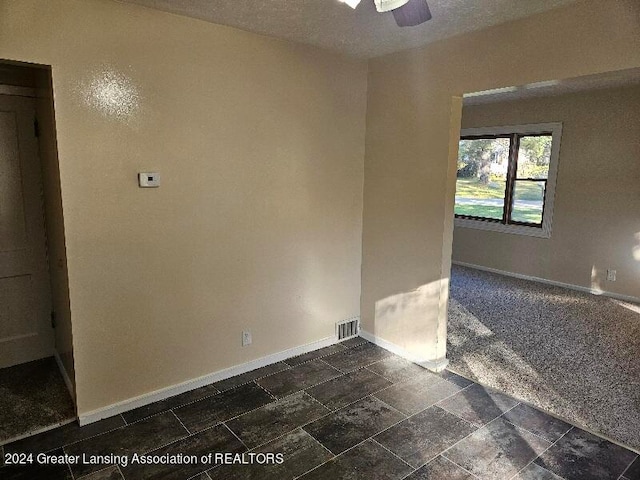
point(25, 296)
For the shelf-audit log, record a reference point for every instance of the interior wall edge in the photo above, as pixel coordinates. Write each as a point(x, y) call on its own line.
point(436, 365)
point(65, 375)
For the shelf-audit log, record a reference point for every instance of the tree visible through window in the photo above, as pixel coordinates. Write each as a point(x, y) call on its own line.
point(503, 177)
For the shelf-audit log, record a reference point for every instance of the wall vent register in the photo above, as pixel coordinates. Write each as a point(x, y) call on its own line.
point(348, 328)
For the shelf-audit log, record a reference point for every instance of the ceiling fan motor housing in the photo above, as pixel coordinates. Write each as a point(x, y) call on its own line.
point(388, 5)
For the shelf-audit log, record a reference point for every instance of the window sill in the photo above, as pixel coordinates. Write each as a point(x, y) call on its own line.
point(544, 232)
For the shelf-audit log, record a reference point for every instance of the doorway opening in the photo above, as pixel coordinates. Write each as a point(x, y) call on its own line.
point(543, 300)
point(36, 355)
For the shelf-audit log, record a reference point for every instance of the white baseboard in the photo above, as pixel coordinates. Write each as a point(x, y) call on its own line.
point(593, 291)
point(433, 365)
point(151, 397)
point(65, 376)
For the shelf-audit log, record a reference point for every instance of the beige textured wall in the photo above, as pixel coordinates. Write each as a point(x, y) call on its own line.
point(409, 172)
point(257, 224)
point(56, 250)
point(596, 219)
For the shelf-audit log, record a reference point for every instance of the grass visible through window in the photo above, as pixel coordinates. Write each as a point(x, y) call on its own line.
point(476, 199)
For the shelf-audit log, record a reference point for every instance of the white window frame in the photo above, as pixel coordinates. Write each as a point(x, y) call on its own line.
point(547, 215)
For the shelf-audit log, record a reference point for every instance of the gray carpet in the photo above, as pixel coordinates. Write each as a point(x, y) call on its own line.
point(573, 354)
point(33, 397)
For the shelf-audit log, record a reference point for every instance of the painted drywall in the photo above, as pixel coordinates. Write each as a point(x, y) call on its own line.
point(596, 220)
point(413, 99)
point(54, 222)
point(257, 223)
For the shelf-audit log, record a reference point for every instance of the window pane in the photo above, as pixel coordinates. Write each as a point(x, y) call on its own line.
point(528, 200)
point(534, 156)
point(482, 175)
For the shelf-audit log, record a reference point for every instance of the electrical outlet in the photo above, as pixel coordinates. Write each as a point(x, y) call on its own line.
point(246, 338)
point(611, 275)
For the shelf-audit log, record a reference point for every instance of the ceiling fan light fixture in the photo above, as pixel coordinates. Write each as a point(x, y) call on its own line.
point(407, 13)
point(352, 3)
point(388, 5)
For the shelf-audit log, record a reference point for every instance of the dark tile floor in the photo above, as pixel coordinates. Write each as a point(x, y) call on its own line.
point(350, 411)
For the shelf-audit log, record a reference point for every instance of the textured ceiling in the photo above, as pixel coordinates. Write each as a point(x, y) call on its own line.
point(362, 32)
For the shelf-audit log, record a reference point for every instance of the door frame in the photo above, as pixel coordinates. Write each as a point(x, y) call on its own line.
point(35, 80)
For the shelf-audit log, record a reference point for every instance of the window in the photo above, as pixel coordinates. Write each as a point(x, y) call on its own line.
point(506, 178)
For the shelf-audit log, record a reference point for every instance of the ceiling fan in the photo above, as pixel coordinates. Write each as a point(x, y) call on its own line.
point(407, 13)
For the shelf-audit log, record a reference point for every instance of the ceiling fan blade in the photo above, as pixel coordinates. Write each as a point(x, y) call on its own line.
point(412, 13)
point(388, 5)
point(352, 3)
